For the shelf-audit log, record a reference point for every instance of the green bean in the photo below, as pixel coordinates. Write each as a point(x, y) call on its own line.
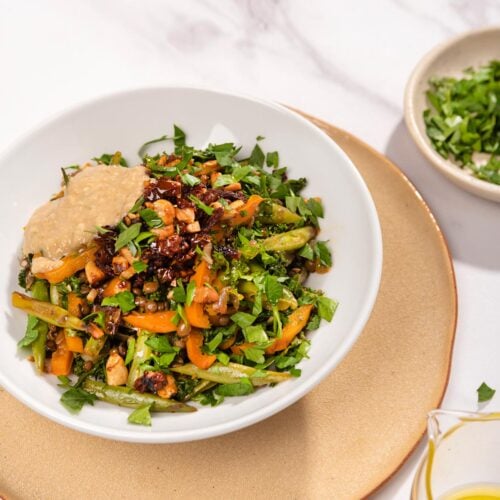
point(55, 296)
point(280, 215)
point(142, 353)
point(124, 396)
point(231, 374)
point(40, 292)
point(291, 240)
point(46, 311)
point(202, 386)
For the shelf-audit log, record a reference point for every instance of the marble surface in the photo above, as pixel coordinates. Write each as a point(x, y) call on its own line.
point(346, 62)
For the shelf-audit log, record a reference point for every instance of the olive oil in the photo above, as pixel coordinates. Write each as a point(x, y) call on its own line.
point(474, 492)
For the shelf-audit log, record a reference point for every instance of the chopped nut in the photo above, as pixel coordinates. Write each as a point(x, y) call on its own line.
point(91, 295)
point(169, 390)
point(165, 210)
point(119, 263)
point(162, 233)
point(125, 252)
point(235, 186)
point(194, 227)
point(93, 273)
point(128, 273)
point(185, 214)
point(236, 204)
point(95, 331)
point(116, 371)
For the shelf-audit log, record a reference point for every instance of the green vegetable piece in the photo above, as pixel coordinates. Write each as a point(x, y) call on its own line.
point(125, 396)
point(94, 346)
point(326, 308)
point(484, 393)
point(141, 415)
point(151, 218)
point(280, 215)
point(130, 350)
point(46, 311)
point(142, 353)
point(241, 388)
point(290, 240)
point(74, 399)
point(230, 374)
point(126, 236)
point(124, 300)
point(36, 330)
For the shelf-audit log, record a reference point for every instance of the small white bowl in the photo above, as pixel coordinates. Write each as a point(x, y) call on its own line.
point(474, 48)
point(29, 174)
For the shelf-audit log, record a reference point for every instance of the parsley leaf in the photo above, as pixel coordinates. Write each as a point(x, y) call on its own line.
point(484, 393)
point(160, 343)
point(141, 415)
point(243, 319)
point(255, 333)
point(307, 252)
point(130, 350)
point(214, 343)
point(189, 179)
point(323, 253)
point(151, 218)
point(190, 291)
point(241, 388)
point(273, 159)
point(257, 157)
point(179, 293)
point(74, 399)
point(326, 308)
point(208, 210)
point(126, 236)
point(139, 266)
point(179, 139)
point(31, 332)
point(124, 300)
point(273, 289)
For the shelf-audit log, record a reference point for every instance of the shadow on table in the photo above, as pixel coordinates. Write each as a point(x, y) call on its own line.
point(469, 223)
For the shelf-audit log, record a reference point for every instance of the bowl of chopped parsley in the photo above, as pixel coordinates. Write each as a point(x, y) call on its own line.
point(452, 110)
point(207, 259)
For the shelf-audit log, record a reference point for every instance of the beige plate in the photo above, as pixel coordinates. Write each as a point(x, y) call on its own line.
point(341, 441)
point(450, 59)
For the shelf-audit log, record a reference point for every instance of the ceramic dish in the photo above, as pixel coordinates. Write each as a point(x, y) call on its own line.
point(29, 174)
point(450, 59)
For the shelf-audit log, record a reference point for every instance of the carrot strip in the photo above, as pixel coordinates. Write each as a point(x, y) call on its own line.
point(296, 323)
point(196, 315)
point(74, 343)
point(71, 264)
point(246, 213)
point(158, 322)
point(116, 285)
point(62, 358)
point(75, 304)
point(195, 354)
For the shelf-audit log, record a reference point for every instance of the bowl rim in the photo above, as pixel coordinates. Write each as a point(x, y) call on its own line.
point(165, 436)
point(447, 167)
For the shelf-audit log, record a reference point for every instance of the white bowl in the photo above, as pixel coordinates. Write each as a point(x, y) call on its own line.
point(474, 48)
point(30, 173)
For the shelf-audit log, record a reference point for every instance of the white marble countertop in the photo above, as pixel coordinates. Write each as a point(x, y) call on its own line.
point(346, 62)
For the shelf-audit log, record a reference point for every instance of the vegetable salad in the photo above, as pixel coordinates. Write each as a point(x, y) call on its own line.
point(198, 293)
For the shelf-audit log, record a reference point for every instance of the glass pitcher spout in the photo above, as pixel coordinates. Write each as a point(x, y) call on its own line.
point(463, 457)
